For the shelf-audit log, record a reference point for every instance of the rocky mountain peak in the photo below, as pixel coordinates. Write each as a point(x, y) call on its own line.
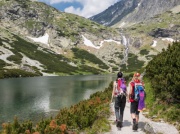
point(128, 12)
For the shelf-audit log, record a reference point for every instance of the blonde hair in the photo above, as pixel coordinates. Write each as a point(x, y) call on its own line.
point(136, 76)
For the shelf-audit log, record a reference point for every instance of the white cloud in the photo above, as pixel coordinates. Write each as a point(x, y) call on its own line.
point(58, 1)
point(90, 7)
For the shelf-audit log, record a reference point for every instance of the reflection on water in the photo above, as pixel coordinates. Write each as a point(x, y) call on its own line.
point(34, 98)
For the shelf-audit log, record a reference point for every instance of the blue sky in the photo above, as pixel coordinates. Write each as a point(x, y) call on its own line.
point(85, 8)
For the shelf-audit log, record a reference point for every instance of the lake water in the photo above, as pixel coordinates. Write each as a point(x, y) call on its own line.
point(39, 97)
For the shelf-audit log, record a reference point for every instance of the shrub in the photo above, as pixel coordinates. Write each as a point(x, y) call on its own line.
point(82, 54)
point(144, 52)
point(162, 84)
point(163, 72)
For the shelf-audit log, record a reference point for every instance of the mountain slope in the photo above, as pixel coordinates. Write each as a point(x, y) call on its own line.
point(116, 12)
point(24, 55)
point(148, 38)
point(133, 11)
point(36, 35)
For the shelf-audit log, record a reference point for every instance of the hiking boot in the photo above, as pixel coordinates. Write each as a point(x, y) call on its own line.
point(119, 124)
point(134, 124)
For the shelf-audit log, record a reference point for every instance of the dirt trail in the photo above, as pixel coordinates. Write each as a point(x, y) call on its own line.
point(127, 123)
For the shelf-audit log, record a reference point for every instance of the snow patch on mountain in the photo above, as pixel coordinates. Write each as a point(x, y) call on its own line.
point(168, 39)
point(90, 44)
point(122, 24)
point(154, 43)
point(43, 39)
point(110, 40)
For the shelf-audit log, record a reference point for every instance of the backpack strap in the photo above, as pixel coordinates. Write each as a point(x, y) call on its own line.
point(119, 91)
point(119, 84)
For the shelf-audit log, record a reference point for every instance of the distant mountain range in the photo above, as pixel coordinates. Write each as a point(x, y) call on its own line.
point(133, 11)
point(39, 39)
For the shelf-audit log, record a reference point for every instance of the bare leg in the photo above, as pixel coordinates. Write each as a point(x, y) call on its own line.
point(133, 115)
point(137, 118)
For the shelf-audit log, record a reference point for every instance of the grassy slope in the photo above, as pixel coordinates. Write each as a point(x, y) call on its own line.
point(67, 25)
point(52, 62)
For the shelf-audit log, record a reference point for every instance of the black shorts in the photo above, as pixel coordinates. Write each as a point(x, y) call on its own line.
point(134, 108)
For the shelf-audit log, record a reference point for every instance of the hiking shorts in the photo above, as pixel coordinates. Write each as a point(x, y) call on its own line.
point(134, 108)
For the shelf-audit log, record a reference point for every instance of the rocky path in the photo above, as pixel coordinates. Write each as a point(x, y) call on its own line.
point(127, 124)
point(144, 124)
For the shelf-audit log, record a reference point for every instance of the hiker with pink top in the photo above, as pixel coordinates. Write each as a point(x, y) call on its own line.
point(119, 93)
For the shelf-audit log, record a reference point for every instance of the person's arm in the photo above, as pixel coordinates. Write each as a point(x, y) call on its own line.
point(130, 92)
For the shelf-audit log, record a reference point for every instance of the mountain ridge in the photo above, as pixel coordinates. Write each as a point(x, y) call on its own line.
point(65, 31)
point(135, 11)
